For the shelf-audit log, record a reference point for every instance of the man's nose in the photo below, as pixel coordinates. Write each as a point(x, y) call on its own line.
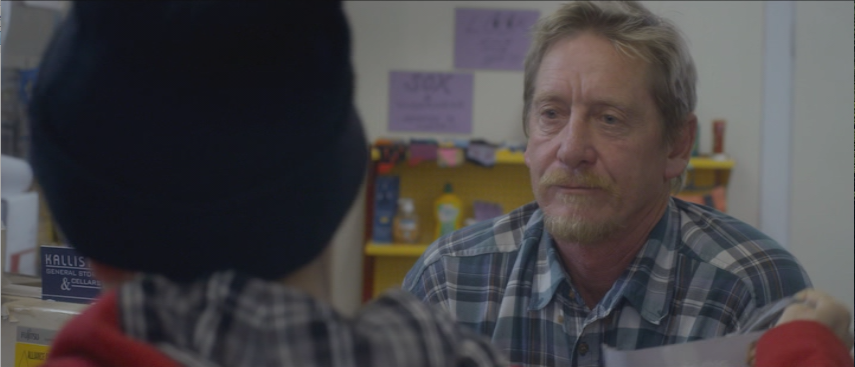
point(575, 148)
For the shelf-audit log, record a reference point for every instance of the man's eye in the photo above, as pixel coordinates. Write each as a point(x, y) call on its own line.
point(551, 120)
point(609, 119)
point(550, 114)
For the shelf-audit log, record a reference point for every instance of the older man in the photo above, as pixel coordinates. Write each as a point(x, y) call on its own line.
point(605, 255)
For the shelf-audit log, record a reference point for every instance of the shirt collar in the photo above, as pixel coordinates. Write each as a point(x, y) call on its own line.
point(548, 274)
point(548, 271)
point(646, 284)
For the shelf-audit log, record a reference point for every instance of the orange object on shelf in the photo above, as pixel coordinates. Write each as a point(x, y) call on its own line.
point(718, 136)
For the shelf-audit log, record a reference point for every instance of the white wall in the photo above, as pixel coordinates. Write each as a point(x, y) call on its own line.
point(419, 36)
point(821, 229)
point(726, 40)
point(25, 37)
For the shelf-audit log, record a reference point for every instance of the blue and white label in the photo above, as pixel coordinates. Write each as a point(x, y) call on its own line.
point(66, 276)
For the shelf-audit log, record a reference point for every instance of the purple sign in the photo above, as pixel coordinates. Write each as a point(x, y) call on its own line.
point(66, 276)
point(430, 102)
point(492, 38)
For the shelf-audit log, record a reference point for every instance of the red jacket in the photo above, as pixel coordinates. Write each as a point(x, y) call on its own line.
point(801, 344)
point(95, 339)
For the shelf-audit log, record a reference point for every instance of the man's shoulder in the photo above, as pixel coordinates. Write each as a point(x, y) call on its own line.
point(476, 258)
point(715, 239)
point(502, 234)
point(709, 232)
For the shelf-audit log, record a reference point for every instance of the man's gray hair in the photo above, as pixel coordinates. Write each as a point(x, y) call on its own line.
point(635, 32)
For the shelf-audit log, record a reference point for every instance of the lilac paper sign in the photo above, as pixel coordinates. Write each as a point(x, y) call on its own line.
point(430, 102)
point(492, 39)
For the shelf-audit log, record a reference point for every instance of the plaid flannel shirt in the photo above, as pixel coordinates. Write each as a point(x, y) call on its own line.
point(233, 320)
point(700, 274)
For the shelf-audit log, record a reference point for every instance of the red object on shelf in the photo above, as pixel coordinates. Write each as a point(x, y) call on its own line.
point(718, 136)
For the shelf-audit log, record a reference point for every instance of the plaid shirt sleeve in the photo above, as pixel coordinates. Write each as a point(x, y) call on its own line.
point(428, 282)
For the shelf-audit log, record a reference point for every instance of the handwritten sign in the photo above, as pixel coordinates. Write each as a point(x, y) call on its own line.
point(430, 102)
point(66, 276)
point(492, 39)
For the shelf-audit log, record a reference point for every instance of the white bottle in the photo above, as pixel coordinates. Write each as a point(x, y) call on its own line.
point(405, 227)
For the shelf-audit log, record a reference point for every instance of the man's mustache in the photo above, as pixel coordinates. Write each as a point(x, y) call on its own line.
point(582, 180)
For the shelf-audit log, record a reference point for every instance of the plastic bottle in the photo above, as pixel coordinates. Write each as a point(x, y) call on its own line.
point(405, 227)
point(448, 212)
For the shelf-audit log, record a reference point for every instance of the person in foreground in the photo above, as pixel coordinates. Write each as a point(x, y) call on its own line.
point(605, 255)
point(813, 332)
point(201, 155)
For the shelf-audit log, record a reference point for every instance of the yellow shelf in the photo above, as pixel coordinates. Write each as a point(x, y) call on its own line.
point(412, 250)
point(709, 163)
point(513, 157)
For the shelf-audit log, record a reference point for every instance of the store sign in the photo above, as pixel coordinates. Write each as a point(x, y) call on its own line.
point(66, 276)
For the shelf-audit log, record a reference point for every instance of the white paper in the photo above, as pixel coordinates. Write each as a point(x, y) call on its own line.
point(21, 218)
point(727, 351)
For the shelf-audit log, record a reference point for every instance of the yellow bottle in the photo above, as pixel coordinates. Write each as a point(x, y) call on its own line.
point(448, 209)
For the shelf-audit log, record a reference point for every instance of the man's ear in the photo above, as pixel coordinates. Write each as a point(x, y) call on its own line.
point(680, 150)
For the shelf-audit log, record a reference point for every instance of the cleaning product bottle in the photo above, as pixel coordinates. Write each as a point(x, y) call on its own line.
point(448, 212)
point(406, 223)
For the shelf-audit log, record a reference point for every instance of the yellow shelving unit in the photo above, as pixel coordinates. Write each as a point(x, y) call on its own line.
point(385, 249)
point(704, 173)
point(709, 163)
point(506, 183)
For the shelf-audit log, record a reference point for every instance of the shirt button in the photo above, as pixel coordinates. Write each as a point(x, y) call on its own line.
point(571, 294)
point(561, 319)
point(583, 348)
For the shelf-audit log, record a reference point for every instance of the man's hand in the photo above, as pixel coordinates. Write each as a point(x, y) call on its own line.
point(815, 305)
point(819, 306)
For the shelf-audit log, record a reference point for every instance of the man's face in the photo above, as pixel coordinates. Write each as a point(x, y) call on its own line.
point(596, 154)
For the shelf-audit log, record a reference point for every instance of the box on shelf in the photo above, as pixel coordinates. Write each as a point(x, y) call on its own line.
point(386, 192)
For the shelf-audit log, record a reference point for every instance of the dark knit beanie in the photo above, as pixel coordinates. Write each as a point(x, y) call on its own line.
point(187, 137)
